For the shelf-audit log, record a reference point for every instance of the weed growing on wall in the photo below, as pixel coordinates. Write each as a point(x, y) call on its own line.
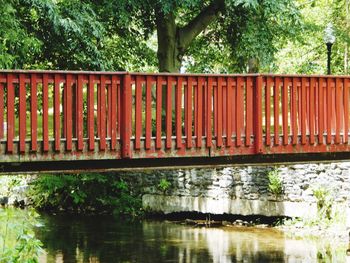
point(164, 184)
point(324, 201)
point(275, 182)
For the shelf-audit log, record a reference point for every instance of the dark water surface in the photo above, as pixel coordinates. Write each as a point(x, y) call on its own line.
point(106, 239)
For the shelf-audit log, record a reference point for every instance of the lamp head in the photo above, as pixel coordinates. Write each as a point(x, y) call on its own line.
point(329, 37)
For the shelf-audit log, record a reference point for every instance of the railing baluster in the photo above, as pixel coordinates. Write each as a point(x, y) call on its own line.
point(312, 111)
point(320, 111)
point(285, 110)
point(234, 106)
point(109, 109)
point(294, 107)
point(57, 112)
point(68, 113)
point(159, 113)
point(138, 112)
point(91, 115)
point(2, 87)
point(209, 112)
point(45, 121)
point(268, 111)
point(102, 112)
point(148, 112)
point(178, 113)
point(239, 111)
point(346, 109)
point(22, 113)
point(258, 115)
point(99, 109)
point(229, 112)
point(80, 113)
point(195, 105)
point(303, 111)
point(113, 112)
point(329, 111)
point(33, 113)
point(125, 125)
point(338, 107)
point(169, 113)
point(199, 112)
point(188, 118)
point(10, 113)
point(220, 111)
point(215, 108)
point(119, 105)
point(276, 114)
point(249, 111)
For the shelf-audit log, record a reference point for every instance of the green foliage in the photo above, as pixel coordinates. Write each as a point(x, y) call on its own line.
point(17, 46)
point(246, 31)
point(325, 201)
point(9, 182)
point(275, 182)
point(86, 192)
point(17, 239)
point(307, 52)
point(164, 184)
point(282, 36)
point(328, 213)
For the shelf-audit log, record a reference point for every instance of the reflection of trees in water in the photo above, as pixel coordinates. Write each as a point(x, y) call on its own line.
point(103, 239)
point(92, 237)
point(217, 245)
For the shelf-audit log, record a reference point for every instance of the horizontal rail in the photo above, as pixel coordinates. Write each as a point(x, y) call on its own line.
point(122, 115)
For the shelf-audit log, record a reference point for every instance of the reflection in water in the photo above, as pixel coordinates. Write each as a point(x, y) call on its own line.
point(104, 239)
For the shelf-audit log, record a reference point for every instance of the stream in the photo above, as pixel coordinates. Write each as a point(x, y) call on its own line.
point(68, 238)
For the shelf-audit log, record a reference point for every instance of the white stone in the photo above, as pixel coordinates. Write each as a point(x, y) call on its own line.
point(170, 204)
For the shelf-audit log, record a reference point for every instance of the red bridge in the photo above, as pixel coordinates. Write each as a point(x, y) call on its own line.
point(140, 119)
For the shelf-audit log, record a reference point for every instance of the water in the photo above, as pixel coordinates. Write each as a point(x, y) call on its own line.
point(106, 239)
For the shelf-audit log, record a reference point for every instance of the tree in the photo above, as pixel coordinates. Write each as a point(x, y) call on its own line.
point(115, 35)
point(231, 24)
point(174, 40)
point(307, 53)
point(18, 48)
point(246, 39)
point(66, 34)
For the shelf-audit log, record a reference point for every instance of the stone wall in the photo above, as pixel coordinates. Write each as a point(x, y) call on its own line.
point(239, 190)
point(244, 190)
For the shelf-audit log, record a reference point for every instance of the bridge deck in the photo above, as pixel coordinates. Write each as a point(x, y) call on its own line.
point(70, 115)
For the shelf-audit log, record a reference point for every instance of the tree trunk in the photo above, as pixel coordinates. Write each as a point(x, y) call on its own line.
point(173, 41)
point(167, 43)
point(253, 65)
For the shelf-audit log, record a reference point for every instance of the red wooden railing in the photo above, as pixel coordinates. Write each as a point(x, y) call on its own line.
point(92, 115)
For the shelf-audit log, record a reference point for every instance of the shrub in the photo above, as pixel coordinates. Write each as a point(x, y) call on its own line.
point(85, 192)
point(17, 239)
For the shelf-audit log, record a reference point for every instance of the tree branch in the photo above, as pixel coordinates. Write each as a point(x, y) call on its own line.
point(199, 23)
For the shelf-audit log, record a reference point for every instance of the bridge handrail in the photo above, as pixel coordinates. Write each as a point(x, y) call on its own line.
point(92, 114)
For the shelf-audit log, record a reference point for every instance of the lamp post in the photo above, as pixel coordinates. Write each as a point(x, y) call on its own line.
point(329, 39)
